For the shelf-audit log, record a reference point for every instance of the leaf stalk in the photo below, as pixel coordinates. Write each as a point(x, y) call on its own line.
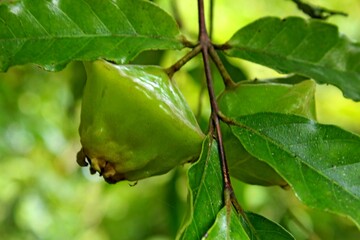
point(229, 83)
point(180, 63)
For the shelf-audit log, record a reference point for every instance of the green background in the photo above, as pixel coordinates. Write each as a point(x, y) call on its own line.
point(44, 194)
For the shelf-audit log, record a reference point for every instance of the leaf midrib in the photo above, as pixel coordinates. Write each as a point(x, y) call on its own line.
point(280, 146)
point(49, 37)
point(293, 60)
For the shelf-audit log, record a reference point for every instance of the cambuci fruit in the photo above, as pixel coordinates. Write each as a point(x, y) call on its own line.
point(135, 123)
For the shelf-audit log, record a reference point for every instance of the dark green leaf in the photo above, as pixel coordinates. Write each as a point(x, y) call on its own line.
point(266, 229)
point(309, 48)
point(206, 193)
point(320, 162)
point(52, 33)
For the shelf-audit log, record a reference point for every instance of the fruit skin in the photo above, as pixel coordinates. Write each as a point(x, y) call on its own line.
point(135, 123)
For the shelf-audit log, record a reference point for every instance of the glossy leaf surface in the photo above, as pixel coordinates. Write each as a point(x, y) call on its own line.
point(52, 33)
point(320, 162)
point(310, 48)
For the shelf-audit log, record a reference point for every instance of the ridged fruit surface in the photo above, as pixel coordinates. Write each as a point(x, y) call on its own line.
point(135, 123)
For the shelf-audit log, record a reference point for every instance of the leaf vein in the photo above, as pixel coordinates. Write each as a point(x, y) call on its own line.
point(289, 153)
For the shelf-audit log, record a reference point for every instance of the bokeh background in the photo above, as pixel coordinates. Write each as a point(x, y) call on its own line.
point(44, 194)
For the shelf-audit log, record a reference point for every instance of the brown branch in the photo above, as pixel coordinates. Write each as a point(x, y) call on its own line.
point(229, 83)
point(176, 66)
point(205, 44)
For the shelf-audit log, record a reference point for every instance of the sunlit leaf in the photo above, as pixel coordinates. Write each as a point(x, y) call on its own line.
point(320, 162)
point(310, 48)
point(52, 33)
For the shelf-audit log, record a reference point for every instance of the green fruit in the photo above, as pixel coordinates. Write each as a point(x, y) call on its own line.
point(247, 99)
point(135, 123)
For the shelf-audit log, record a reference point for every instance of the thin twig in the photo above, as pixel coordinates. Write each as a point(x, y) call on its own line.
point(176, 66)
point(215, 118)
point(211, 17)
point(229, 83)
point(205, 44)
point(224, 46)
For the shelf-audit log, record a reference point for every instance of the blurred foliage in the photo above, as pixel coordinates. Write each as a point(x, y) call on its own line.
point(45, 195)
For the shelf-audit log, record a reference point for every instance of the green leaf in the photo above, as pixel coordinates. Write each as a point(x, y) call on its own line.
point(52, 33)
point(208, 217)
point(206, 193)
point(310, 48)
point(266, 229)
point(247, 99)
point(320, 162)
point(229, 225)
